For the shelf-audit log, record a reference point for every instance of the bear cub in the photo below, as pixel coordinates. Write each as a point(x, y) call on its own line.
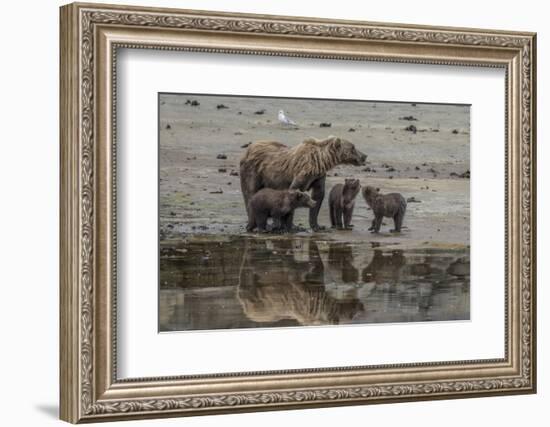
point(392, 205)
point(341, 202)
point(278, 205)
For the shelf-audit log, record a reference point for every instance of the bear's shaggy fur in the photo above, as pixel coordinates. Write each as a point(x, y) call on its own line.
point(391, 205)
point(269, 164)
point(341, 202)
point(278, 205)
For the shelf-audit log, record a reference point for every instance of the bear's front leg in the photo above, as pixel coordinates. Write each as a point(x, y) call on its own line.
point(317, 194)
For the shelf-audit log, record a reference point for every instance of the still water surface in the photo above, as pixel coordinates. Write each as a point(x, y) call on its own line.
point(251, 282)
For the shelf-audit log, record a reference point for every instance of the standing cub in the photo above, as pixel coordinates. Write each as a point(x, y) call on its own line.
point(276, 204)
point(391, 205)
point(341, 203)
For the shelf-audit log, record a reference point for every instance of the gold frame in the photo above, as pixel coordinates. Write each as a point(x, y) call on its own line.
point(90, 36)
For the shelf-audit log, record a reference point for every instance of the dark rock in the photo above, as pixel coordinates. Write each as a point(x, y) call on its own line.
point(351, 130)
point(168, 126)
point(234, 173)
point(259, 112)
point(390, 169)
point(195, 103)
point(325, 125)
point(434, 130)
point(465, 174)
point(454, 174)
point(220, 191)
point(246, 145)
point(222, 170)
point(390, 177)
point(411, 128)
point(221, 156)
point(413, 200)
point(221, 106)
point(172, 214)
point(432, 170)
point(409, 118)
point(416, 168)
point(413, 105)
point(454, 131)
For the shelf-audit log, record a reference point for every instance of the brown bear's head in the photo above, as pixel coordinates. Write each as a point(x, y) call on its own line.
point(351, 188)
point(299, 199)
point(346, 151)
point(351, 183)
point(370, 192)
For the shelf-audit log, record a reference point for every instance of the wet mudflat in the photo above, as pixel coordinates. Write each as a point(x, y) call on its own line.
point(263, 281)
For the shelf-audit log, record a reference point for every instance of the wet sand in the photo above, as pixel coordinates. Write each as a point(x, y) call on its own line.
point(200, 197)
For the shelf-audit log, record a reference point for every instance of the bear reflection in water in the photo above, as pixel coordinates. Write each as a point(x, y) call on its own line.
point(325, 283)
point(248, 282)
point(285, 280)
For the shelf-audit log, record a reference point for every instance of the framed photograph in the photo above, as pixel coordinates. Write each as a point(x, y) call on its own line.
point(266, 212)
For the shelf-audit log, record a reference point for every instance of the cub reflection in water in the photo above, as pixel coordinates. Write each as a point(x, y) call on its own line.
point(285, 280)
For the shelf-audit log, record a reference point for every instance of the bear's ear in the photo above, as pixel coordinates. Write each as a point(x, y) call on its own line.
point(337, 142)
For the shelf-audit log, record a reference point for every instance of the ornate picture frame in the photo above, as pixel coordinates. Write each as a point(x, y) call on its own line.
point(90, 37)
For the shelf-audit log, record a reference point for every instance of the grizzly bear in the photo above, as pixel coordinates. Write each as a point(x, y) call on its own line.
point(278, 205)
point(341, 202)
point(269, 164)
point(391, 205)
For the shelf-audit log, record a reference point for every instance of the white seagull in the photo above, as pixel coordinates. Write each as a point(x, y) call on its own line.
point(285, 120)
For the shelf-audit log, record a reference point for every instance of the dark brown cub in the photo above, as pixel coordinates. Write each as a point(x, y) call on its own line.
point(392, 205)
point(278, 205)
point(341, 203)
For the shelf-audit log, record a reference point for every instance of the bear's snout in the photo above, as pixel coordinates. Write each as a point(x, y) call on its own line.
point(360, 159)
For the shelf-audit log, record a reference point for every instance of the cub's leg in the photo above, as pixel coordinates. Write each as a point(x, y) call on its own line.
point(286, 223)
point(279, 223)
point(377, 223)
point(332, 215)
point(348, 213)
point(398, 221)
point(261, 222)
point(338, 213)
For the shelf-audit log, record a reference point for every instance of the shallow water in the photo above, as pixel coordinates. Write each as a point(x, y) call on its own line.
point(246, 281)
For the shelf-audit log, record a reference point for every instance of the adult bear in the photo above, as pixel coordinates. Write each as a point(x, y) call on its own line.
point(303, 167)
